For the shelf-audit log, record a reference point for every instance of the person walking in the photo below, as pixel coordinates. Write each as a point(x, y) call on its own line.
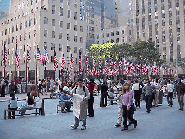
point(84, 92)
point(180, 88)
point(156, 98)
point(148, 95)
point(104, 94)
point(91, 100)
point(127, 102)
point(170, 88)
point(136, 88)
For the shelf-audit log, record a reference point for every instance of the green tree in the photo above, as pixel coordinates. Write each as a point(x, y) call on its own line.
point(181, 63)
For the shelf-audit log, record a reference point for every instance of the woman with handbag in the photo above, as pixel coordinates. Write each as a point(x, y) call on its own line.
point(127, 102)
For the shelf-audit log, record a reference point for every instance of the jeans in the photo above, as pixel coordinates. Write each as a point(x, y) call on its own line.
point(77, 122)
point(148, 99)
point(137, 96)
point(127, 114)
point(170, 96)
point(180, 100)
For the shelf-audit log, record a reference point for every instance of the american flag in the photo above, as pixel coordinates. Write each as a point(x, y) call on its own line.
point(106, 68)
point(71, 64)
point(17, 59)
point(55, 61)
point(110, 68)
point(80, 65)
point(93, 70)
point(46, 57)
point(28, 56)
point(115, 67)
point(87, 65)
point(100, 64)
point(39, 56)
point(120, 64)
point(132, 68)
point(5, 57)
point(63, 62)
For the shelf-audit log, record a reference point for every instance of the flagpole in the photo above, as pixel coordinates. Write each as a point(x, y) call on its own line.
point(4, 60)
point(36, 72)
point(15, 65)
point(26, 74)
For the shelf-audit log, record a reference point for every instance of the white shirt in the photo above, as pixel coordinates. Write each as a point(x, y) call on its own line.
point(170, 87)
point(13, 103)
point(80, 91)
point(136, 86)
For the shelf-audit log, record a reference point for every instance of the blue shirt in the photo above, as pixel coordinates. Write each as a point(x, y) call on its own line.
point(64, 98)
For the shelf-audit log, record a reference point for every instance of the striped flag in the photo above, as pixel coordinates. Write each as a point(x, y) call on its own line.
point(94, 64)
point(110, 68)
point(5, 57)
point(17, 59)
point(115, 67)
point(88, 66)
point(120, 64)
point(28, 56)
point(80, 65)
point(106, 68)
point(71, 64)
point(63, 62)
point(46, 57)
point(100, 64)
point(39, 56)
point(55, 61)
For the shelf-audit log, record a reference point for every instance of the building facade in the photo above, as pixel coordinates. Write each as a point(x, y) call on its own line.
point(163, 22)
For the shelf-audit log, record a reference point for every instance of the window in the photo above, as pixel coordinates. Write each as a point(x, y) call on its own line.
point(68, 48)
point(81, 39)
point(60, 47)
point(53, 22)
point(45, 20)
point(112, 40)
point(117, 40)
point(20, 26)
point(53, 34)
point(61, 1)
point(75, 15)
point(20, 37)
point(24, 36)
point(107, 34)
point(112, 33)
point(68, 37)
point(12, 39)
point(16, 28)
point(68, 3)
point(45, 32)
point(68, 25)
point(75, 38)
point(61, 24)
point(60, 35)
point(45, 45)
point(98, 36)
point(31, 2)
point(35, 21)
point(35, 33)
point(29, 22)
point(81, 28)
point(52, 46)
point(117, 32)
point(75, 27)
point(102, 35)
point(29, 35)
point(68, 14)
point(75, 5)
point(53, 9)
point(61, 11)
point(75, 49)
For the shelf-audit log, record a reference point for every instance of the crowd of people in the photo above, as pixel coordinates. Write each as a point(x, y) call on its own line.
point(130, 93)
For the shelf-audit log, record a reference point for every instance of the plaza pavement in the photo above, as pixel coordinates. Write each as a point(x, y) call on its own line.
point(163, 122)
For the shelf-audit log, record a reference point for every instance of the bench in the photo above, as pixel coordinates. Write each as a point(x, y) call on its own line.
point(60, 106)
point(20, 110)
point(41, 110)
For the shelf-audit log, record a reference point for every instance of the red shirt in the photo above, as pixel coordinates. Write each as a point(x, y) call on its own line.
point(91, 87)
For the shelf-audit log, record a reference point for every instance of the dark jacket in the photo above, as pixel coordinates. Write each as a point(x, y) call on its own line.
point(180, 88)
point(104, 89)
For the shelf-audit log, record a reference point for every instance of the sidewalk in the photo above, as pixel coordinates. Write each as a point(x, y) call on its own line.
point(163, 122)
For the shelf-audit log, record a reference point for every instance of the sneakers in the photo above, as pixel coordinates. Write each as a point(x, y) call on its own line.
point(117, 125)
point(73, 127)
point(83, 127)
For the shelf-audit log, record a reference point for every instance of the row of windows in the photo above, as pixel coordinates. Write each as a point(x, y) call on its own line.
point(112, 40)
point(112, 34)
point(21, 27)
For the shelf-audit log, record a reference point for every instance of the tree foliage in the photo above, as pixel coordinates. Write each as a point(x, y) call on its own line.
point(181, 63)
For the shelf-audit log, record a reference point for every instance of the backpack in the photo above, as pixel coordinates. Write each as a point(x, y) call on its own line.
point(83, 89)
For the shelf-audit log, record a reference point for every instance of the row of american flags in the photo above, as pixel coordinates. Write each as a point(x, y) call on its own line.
point(110, 68)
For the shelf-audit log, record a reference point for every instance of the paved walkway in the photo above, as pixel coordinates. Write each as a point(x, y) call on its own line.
point(163, 122)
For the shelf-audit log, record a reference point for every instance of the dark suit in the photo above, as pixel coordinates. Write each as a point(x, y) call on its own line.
point(104, 95)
